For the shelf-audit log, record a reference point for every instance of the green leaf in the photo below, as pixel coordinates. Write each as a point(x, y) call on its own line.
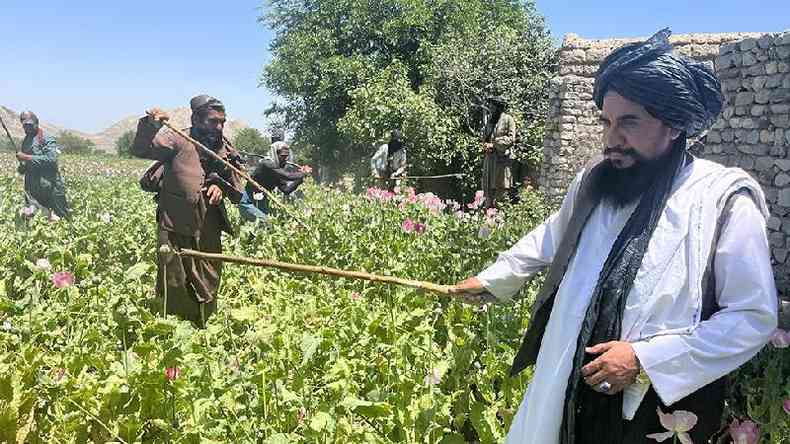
point(244, 314)
point(484, 422)
point(452, 438)
point(368, 409)
point(309, 345)
point(322, 421)
point(136, 271)
point(279, 438)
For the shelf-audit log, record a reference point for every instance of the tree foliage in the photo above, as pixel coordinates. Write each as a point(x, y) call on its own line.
point(349, 71)
point(123, 145)
point(251, 140)
point(71, 143)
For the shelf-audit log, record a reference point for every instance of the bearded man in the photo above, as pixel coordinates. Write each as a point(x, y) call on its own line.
point(659, 276)
point(191, 212)
point(498, 140)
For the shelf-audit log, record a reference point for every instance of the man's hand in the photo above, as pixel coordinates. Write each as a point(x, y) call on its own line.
point(307, 169)
point(617, 365)
point(157, 115)
point(470, 291)
point(22, 157)
point(214, 194)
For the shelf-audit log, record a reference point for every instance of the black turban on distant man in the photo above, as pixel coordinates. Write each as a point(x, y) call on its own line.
point(683, 93)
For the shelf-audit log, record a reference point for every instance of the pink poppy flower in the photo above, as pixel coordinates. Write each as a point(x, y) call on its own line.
point(746, 432)
point(172, 373)
point(677, 424)
point(379, 194)
point(479, 199)
point(355, 296)
point(786, 406)
point(408, 225)
point(28, 211)
point(780, 338)
point(432, 202)
point(62, 279)
point(420, 228)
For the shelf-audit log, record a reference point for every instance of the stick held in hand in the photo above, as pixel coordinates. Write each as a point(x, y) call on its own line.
point(443, 289)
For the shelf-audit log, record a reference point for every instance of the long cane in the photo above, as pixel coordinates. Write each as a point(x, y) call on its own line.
point(16, 149)
point(8, 133)
point(232, 167)
point(440, 176)
point(298, 268)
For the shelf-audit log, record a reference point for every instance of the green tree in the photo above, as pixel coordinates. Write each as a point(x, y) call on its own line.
point(251, 140)
point(349, 71)
point(123, 146)
point(71, 143)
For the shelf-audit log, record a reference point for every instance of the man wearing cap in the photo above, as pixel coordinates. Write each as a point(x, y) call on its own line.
point(191, 211)
point(659, 278)
point(389, 161)
point(499, 135)
point(38, 157)
point(272, 173)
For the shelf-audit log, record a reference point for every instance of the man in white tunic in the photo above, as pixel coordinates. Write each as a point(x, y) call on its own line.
point(659, 278)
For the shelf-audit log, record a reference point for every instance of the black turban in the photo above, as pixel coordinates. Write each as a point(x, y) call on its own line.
point(204, 101)
point(683, 93)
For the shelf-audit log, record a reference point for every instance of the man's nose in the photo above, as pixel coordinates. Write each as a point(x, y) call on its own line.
point(612, 138)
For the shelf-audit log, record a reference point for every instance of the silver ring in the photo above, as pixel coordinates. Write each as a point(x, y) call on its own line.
point(604, 387)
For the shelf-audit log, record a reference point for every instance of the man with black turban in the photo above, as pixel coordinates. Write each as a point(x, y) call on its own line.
point(498, 139)
point(659, 278)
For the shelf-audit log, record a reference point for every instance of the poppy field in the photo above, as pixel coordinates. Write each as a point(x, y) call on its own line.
point(87, 355)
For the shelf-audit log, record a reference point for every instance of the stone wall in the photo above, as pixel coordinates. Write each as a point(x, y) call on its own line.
point(753, 131)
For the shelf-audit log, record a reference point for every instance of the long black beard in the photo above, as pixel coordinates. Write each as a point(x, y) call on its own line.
point(622, 186)
point(211, 139)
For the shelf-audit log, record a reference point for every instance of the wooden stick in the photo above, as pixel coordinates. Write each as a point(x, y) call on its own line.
point(232, 167)
point(8, 133)
point(444, 289)
point(440, 176)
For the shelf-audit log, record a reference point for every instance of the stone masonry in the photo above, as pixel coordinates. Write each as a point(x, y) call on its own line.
point(752, 133)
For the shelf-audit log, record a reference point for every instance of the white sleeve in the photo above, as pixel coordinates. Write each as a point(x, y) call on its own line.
point(679, 365)
point(532, 253)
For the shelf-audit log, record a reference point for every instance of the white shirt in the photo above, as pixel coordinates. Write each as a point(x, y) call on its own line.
point(679, 353)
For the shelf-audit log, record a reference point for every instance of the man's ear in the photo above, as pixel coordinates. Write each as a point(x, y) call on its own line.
point(674, 133)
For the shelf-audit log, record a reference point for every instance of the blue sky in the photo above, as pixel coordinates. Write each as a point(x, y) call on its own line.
point(84, 64)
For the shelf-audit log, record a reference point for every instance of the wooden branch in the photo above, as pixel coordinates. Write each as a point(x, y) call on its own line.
point(232, 167)
point(8, 133)
point(444, 289)
point(440, 176)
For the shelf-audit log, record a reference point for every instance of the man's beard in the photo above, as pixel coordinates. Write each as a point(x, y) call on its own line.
point(623, 186)
point(211, 138)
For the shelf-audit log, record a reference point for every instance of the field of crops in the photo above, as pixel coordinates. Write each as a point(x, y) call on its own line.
point(86, 354)
point(287, 358)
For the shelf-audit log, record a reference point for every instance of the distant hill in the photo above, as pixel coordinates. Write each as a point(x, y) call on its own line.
point(105, 140)
point(11, 119)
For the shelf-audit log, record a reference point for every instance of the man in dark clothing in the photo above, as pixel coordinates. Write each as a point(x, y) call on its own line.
point(389, 161)
point(38, 157)
point(271, 173)
point(191, 213)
